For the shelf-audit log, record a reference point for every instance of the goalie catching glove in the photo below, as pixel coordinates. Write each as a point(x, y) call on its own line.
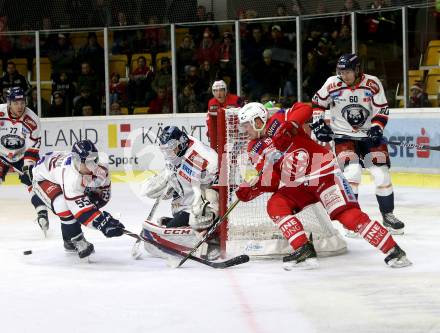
point(204, 210)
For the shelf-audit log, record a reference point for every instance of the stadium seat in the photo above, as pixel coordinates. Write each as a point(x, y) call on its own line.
point(118, 64)
point(141, 110)
point(432, 57)
point(45, 70)
point(433, 85)
point(135, 57)
point(21, 65)
point(124, 110)
point(159, 56)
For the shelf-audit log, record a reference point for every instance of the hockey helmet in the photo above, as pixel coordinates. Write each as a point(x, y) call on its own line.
point(15, 94)
point(170, 139)
point(218, 85)
point(348, 61)
point(251, 112)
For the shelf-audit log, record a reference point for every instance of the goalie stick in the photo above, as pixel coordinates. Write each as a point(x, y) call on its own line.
point(241, 259)
point(396, 143)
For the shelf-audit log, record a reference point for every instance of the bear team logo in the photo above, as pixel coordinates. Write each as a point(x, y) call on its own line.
point(355, 114)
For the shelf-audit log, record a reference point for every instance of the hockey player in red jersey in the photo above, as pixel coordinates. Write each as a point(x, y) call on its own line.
point(358, 115)
point(20, 139)
point(221, 99)
point(76, 185)
point(304, 174)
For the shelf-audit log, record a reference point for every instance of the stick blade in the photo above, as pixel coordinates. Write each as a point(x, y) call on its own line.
point(241, 259)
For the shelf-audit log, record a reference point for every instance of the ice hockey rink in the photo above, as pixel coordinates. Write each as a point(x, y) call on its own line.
point(51, 291)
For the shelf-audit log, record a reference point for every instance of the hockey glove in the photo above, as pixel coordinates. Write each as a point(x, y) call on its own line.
point(99, 197)
point(27, 173)
point(246, 192)
point(284, 134)
point(375, 135)
point(109, 226)
point(322, 131)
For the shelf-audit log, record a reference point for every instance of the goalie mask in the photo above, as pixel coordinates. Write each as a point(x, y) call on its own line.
point(173, 143)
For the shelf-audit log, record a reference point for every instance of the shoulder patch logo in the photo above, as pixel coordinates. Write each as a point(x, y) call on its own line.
point(373, 86)
point(30, 122)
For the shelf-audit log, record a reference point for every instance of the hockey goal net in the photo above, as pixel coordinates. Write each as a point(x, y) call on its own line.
point(249, 230)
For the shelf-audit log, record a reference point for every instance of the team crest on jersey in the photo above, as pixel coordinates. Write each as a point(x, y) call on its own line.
point(355, 114)
point(12, 142)
point(300, 160)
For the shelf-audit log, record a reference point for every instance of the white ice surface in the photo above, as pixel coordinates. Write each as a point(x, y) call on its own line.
point(51, 291)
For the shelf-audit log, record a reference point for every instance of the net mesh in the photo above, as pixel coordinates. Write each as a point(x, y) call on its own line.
point(250, 230)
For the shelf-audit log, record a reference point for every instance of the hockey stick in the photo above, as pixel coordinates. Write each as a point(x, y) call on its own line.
point(241, 259)
point(395, 143)
point(219, 221)
point(11, 165)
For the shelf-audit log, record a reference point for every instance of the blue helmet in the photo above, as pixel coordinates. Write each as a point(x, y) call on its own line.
point(348, 61)
point(85, 150)
point(172, 138)
point(15, 94)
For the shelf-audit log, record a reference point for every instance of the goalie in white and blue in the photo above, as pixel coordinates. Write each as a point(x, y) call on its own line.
point(191, 174)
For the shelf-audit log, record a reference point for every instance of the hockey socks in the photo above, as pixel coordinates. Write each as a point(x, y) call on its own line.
point(292, 230)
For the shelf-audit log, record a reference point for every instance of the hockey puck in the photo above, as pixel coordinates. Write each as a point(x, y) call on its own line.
point(28, 252)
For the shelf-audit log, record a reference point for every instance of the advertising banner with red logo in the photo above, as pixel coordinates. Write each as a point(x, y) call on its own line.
point(129, 141)
point(420, 126)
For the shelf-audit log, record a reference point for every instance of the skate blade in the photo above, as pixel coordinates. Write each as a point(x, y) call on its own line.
point(399, 263)
point(311, 263)
point(135, 252)
point(395, 231)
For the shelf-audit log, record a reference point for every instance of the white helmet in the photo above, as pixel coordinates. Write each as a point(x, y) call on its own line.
point(217, 85)
point(251, 112)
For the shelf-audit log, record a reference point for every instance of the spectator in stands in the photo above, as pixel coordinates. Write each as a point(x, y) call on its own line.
point(418, 98)
point(141, 44)
point(121, 38)
point(185, 54)
point(277, 39)
point(312, 74)
point(139, 84)
point(208, 49)
point(115, 108)
point(62, 56)
point(33, 104)
point(268, 74)
point(6, 42)
point(192, 78)
point(163, 75)
point(25, 46)
point(87, 111)
point(58, 107)
point(62, 83)
point(162, 103)
point(187, 102)
point(296, 9)
point(92, 53)
point(254, 46)
point(101, 15)
point(117, 88)
point(197, 30)
point(343, 40)
point(349, 6)
point(207, 73)
point(48, 40)
point(281, 10)
point(377, 4)
point(227, 48)
point(85, 98)
point(13, 78)
point(78, 13)
point(88, 78)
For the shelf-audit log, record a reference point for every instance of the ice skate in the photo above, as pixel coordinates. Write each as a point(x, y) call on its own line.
point(396, 258)
point(393, 224)
point(43, 221)
point(303, 258)
point(69, 246)
point(82, 246)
